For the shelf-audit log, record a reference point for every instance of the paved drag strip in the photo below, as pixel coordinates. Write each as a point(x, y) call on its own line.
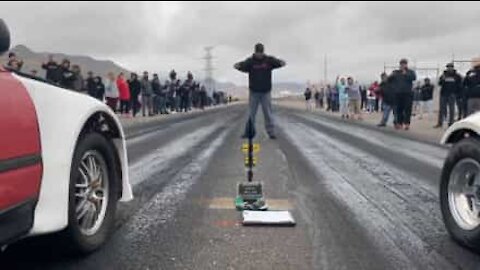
point(399, 213)
point(430, 154)
point(161, 158)
point(163, 205)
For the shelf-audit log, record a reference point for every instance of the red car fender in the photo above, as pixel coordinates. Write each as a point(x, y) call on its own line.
point(20, 151)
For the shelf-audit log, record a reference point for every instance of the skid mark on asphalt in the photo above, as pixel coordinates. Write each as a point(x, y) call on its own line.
point(225, 203)
point(162, 206)
point(161, 158)
point(388, 203)
point(226, 223)
point(432, 155)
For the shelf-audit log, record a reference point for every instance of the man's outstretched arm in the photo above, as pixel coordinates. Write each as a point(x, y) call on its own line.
point(243, 66)
point(277, 63)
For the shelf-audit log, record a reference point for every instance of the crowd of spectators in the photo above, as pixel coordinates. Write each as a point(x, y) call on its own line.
point(398, 94)
point(129, 96)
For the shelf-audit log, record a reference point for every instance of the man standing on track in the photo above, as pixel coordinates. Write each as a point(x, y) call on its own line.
point(401, 81)
point(451, 84)
point(259, 68)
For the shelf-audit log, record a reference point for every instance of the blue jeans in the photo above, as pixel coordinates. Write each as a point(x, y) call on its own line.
point(371, 105)
point(387, 109)
point(343, 106)
point(264, 99)
point(177, 103)
point(162, 104)
point(446, 103)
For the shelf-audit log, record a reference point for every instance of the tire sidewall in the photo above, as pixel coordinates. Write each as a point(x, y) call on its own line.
point(466, 148)
point(79, 241)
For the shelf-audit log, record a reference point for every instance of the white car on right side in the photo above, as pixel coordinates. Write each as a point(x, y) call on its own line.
point(460, 182)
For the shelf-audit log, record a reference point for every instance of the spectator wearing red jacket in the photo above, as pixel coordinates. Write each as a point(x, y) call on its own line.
point(375, 89)
point(124, 94)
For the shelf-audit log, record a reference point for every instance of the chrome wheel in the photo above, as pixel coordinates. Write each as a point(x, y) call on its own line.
point(464, 194)
point(91, 192)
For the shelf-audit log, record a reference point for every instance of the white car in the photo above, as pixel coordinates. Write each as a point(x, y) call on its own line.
point(63, 162)
point(460, 182)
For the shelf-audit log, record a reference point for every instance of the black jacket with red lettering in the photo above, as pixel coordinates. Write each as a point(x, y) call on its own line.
point(259, 68)
point(472, 83)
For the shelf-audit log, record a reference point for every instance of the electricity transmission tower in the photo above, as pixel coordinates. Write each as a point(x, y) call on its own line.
point(209, 82)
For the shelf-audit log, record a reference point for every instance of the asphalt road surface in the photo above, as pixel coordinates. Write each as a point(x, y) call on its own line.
point(362, 199)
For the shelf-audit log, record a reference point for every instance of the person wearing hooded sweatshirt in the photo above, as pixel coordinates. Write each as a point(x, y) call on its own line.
point(90, 85)
point(472, 87)
point(135, 89)
point(124, 94)
point(171, 90)
point(203, 97)
point(354, 98)
point(99, 88)
point(388, 102)
point(401, 81)
point(259, 68)
point(157, 92)
point(321, 97)
point(316, 97)
point(185, 93)
point(13, 62)
point(111, 92)
point(342, 96)
point(328, 94)
point(78, 83)
point(147, 93)
point(308, 99)
point(163, 97)
point(51, 70)
point(426, 94)
point(451, 84)
point(67, 77)
point(371, 97)
point(177, 95)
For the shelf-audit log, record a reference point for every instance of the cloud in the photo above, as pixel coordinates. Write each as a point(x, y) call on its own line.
point(357, 37)
point(91, 28)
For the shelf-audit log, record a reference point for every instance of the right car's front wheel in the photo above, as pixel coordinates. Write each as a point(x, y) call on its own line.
point(460, 193)
point(93, 193)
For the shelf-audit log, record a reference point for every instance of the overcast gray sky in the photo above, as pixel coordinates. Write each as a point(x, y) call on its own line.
point(358, 37)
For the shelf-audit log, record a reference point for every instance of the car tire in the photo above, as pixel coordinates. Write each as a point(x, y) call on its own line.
point(76, 236)
point(456, 201)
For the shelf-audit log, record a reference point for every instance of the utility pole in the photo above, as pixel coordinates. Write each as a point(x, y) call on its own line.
point(209, 81)
point(325, 70)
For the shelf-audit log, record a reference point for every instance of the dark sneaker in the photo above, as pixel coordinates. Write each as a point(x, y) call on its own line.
point(381, 125)
point(272, 137)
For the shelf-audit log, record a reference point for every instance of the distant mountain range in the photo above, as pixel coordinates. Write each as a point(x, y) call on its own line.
point(33, 61)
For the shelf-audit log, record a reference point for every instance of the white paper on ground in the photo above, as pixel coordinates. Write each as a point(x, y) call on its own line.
point(267, 218)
